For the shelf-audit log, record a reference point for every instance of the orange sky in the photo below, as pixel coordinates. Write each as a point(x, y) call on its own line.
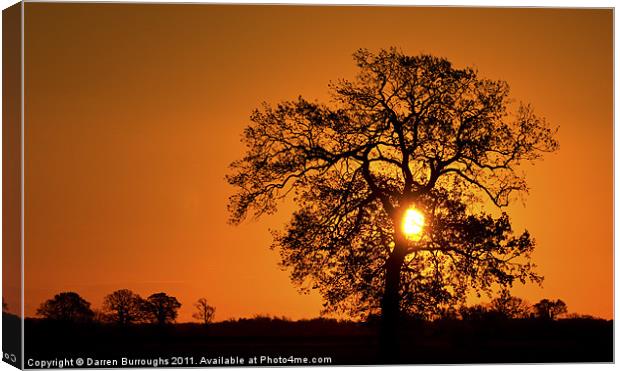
point(133, 113)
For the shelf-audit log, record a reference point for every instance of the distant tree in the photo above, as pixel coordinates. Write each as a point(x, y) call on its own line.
point(5, 306)
point(581, 316)
point(510, 306)
point(449, 313)
point(100, 316)
point(476, 312)
point(550, 309)
point(269, 318)
point(124, 307)
point(408, 131)
point(67, 307)
point(161, 308)
point(204, 312)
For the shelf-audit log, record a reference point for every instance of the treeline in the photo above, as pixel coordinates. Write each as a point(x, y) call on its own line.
point(503, 307)
point(510, 307)
point(122, 307)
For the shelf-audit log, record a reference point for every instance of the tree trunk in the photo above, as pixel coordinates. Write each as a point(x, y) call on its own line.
point(391, 295)
point(390, 307)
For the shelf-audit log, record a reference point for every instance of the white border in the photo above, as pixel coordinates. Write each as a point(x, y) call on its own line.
point(458, 3)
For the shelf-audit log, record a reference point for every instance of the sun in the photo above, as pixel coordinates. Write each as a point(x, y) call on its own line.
point(413, 223)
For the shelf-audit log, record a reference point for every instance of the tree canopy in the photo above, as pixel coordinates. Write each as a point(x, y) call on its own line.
point(550, 309)
point(124, 307)
point(510, 306)
point(408, 131)
point(161, 308)
point(66, 307)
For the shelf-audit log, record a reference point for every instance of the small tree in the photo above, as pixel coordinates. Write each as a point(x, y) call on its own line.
point(5, 306)
point(204, 312)
point(161, 308)
point(124, 307)
point(66, 307)
point(100, 316)
point(476, 312)
point(510, 306)
point(550, 309)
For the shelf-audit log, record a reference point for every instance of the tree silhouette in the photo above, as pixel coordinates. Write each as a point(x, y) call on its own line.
point(476, 312)
point(550, 309)
point(407, 131)
point(5, 306)
point(124, 307)
point(161, 308)
point(66, 307)
point(510, 306)
point(103, 317)
point(204, 312)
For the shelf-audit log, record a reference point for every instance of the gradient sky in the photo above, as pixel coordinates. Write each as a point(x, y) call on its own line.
point(133, 113)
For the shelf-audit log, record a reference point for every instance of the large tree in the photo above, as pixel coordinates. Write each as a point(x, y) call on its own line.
point(408, 133)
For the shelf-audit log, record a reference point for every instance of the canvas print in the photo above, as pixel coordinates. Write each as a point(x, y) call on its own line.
point(198, 185)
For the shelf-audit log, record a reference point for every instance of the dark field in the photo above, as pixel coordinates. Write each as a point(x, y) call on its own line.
point(345, 343)
point(11, 339)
